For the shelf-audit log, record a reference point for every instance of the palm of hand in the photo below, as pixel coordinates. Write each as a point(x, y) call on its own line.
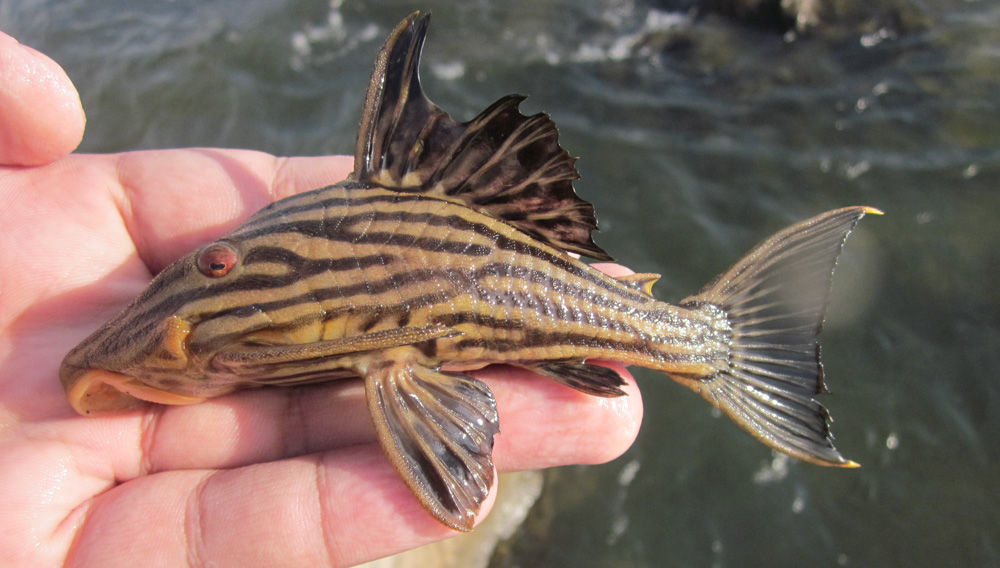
point(269, 477)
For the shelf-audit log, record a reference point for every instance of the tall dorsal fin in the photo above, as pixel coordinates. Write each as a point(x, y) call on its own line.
point(502, 163)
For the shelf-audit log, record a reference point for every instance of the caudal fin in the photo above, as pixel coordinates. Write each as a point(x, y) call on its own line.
point(775, 300)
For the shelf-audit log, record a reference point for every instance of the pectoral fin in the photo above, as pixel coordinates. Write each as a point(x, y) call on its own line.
point(437, 429)
point(248, 354)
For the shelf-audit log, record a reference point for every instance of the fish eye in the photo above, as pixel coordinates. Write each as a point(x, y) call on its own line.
point(217, 259)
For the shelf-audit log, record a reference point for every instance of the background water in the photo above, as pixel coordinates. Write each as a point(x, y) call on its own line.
point(698, 138)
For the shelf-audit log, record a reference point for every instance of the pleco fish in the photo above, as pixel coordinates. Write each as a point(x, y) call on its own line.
point(445, 250)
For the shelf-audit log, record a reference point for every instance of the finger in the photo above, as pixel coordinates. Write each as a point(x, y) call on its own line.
point(612, 269)
point(336, 508)
point(160, 203)
point(41, 117)
point(542, 423)
point(173, 201)
point(545, 424)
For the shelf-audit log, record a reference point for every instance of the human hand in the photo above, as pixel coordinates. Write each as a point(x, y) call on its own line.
point(265, 477)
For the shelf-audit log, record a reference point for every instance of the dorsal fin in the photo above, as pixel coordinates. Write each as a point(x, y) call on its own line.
point(501, 163)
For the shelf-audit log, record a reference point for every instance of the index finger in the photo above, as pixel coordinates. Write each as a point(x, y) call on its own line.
point(41, 117)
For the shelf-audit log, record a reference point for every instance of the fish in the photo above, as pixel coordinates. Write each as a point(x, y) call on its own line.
point(452, 246)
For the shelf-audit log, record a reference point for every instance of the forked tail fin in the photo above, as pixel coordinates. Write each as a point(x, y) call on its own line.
point(774, 300)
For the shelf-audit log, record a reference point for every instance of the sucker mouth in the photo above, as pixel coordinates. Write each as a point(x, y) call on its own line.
point(99, 390)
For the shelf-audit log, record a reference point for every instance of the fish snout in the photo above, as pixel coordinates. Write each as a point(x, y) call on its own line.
point(100, 382)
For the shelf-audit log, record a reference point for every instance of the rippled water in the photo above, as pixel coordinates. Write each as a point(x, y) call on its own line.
point(698, 138)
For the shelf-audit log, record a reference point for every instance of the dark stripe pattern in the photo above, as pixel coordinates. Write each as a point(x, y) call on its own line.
point(349, 260)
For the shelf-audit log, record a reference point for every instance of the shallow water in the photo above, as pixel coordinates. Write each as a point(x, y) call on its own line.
point(697, 138)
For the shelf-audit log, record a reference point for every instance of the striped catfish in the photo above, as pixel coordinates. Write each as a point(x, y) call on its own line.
point(448, 248)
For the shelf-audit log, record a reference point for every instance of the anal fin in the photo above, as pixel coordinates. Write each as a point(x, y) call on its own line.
point(584, 377)
point(437, 430)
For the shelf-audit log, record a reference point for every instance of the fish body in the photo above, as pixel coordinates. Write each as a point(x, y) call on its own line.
point(447, 249)
point(360, 262)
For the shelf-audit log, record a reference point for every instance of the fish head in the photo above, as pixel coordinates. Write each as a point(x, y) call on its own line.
point(149, 351)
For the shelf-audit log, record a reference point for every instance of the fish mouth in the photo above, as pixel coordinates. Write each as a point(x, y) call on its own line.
point(94, 391)
point(93, 388)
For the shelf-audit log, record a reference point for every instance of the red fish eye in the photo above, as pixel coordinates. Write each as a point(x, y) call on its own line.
point(217, 260)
